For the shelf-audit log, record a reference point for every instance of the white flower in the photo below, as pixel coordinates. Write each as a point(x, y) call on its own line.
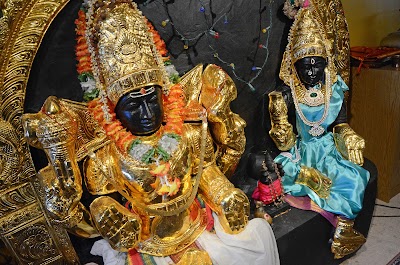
point(88, 86)
point(168, 144)
point(170, 69)
point(139, 150)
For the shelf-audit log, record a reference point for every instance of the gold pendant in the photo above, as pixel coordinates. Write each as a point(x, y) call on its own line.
point(313, 97)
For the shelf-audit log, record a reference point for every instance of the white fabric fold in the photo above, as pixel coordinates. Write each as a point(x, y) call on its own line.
point(110, 256)
point(256, 245)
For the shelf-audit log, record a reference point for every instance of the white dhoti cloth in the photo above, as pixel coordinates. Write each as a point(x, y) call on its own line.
point(256, 245)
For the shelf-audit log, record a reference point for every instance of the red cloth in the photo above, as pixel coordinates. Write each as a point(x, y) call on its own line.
point(267, 193)
point(134, 257)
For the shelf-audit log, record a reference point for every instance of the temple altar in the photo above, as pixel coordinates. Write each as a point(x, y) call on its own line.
point(51, 71)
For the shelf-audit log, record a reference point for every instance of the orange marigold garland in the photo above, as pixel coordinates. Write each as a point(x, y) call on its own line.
point(84, 66)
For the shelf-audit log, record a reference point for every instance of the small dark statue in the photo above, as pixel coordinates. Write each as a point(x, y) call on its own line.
point(268, 196)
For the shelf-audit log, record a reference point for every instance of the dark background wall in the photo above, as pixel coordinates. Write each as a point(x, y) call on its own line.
point(255, 53)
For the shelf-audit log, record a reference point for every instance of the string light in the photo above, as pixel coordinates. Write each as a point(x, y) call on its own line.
point(211, 32)
point(214, 33)
point(254, 68)
point(164, 23)
point(225, 19)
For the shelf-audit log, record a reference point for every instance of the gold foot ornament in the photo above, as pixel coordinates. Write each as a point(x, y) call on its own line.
point(120, 227)
point(346, 239)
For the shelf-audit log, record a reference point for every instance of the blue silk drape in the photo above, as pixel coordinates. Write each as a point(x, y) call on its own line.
point(348, 179)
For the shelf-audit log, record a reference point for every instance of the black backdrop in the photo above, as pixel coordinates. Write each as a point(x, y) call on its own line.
point(240, 25)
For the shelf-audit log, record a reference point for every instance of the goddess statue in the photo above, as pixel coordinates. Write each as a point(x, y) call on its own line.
point(163, 148)
point(318, 163)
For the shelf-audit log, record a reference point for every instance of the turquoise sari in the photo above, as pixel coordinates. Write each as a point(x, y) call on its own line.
point(348, 179)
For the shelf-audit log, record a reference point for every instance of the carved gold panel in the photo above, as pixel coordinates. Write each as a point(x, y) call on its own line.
point(25, 228)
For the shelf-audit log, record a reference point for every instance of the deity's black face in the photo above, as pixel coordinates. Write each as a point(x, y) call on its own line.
point(141, 114)
point(311, 70)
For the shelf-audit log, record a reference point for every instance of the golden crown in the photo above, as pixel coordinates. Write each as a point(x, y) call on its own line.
point(123, 52)
point(307, 37)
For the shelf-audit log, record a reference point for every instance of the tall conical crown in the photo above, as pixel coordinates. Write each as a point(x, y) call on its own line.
point(122, 48)
point(306, 37)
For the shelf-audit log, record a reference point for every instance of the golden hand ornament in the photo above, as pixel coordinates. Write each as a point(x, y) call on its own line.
point(349, 143)
point(315, 180)
point(116, 224)
point(230, 203)
point(54, 130)
point(281, 130)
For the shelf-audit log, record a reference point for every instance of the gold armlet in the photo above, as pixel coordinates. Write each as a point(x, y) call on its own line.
point(228, 161)
point(96, 181)
point(281, 130)
point(213, 185)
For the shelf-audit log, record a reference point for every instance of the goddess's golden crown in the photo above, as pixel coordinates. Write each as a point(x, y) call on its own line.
point(307, 37)
point(123, 52)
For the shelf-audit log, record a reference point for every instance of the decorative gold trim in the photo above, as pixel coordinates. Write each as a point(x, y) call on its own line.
point(332, 16)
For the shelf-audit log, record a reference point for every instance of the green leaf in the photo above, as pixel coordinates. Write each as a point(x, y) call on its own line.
point(163, 153)
point(88, 96)
point(148, 156)
point(174, 135)
point(134, 143)
point(85, 76)
point(174, 78)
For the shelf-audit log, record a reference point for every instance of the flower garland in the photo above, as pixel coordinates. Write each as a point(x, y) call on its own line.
point(291, 7)
point(84, 66)
point(156, 156)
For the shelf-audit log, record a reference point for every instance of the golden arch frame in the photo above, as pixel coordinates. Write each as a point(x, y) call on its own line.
point(25, 229)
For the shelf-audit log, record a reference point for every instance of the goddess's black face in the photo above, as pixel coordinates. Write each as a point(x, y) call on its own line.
point(141, 114)
point(311, 70)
